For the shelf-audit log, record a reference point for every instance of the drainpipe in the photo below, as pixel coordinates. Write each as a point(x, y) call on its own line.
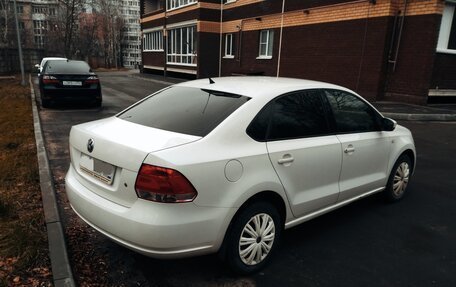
point(241, 27)
point(394, 62)
point(280, 39)
point(221, 38)
point(165, 42)
point(366, 26)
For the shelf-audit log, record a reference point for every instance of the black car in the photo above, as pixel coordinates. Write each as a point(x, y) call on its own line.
point(69, 79)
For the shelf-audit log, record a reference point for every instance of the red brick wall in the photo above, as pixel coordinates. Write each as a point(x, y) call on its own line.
point(444, 72)
point(153, 58)
point(411, 80)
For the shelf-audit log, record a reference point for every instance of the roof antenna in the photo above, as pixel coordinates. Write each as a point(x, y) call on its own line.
point(211, 81)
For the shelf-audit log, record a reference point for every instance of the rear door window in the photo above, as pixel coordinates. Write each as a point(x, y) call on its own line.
point(185, 110)
point(351, 114)
point(296, 115)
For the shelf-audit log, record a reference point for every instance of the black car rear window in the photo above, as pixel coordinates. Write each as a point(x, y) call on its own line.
point(66, 67)
point(185, 110)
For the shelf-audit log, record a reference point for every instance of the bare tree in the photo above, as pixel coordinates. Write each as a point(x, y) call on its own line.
point(4, 21)
point(68, 23)
point(112, 25)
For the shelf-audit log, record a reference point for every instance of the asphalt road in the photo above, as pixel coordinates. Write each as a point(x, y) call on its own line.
point(368, 243)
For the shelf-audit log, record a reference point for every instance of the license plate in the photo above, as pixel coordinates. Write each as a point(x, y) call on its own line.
point(72, 83)
point(99, 169)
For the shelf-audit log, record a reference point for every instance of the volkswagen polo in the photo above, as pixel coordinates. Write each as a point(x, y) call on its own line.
point(225, 165)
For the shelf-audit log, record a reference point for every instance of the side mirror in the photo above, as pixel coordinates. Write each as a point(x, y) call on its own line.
point(388, 124)
point(37, 66)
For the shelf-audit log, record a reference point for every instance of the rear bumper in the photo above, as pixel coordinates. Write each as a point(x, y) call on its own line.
point(50, 92)
point(153, 229)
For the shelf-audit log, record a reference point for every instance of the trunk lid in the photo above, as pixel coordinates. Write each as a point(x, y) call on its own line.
point(118, 149)
point(72, 81)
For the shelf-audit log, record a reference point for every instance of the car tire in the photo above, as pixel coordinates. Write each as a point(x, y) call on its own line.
point(45, 103)
point(97, 103)
point(260, 226)
point(399, 179)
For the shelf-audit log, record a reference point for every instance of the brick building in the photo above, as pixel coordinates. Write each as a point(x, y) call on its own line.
point(401, 50)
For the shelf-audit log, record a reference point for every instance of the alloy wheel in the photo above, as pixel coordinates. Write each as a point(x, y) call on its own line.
point(257, 238)
point(401, 179)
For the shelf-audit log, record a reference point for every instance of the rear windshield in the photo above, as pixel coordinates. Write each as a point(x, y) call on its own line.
point(185, 110)
point(67, 67)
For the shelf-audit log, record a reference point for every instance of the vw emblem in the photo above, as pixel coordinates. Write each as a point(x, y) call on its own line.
point(90, 145)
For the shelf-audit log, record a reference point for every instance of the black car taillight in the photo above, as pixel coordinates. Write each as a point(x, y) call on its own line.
point(161, 184)
point(50, 80)
point(92, 80)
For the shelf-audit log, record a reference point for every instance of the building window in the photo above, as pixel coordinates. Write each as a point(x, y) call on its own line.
point(266, 42)
point(39, 29)
point(229, 53)
point(52, 11)
point(20, 9)
point(173, 4)
point(39, 10)
point(182, 46)
point(447, 35)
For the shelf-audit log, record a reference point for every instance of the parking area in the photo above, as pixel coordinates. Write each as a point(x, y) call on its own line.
point(368, 243)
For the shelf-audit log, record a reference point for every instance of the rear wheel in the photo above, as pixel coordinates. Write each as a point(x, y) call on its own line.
point(45, 103)
point(253, 238)
point(399, 179)
point(97, 103)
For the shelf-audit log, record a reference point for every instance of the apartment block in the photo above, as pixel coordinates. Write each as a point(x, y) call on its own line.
point(37, 22)
point(131, 42)
point(402, 50)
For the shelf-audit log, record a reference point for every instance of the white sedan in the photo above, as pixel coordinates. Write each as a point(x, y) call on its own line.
point(225, 165)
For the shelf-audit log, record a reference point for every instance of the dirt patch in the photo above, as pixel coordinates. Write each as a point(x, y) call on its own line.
point(24, 259)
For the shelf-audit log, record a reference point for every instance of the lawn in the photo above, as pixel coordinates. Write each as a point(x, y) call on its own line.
point(24, 255)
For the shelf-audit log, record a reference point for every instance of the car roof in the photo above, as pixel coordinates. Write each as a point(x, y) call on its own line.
point(259, 86)
point(52, 58)
point(69, 61)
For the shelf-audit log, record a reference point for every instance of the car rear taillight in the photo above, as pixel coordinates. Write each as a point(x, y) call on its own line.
point(163, 185)
point(50, 80)
point(92, 80)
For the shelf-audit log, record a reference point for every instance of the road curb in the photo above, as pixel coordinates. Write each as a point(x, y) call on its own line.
point(153, 80)
point(421, 117)
point(61, 269)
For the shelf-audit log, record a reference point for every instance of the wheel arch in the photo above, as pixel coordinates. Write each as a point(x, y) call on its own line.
point(411, 155)
point(269, 196)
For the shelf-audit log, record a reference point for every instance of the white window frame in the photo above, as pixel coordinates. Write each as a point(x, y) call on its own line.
point(268, 42)
point(228, 1)
point(176, 46)
point(229, 53)
point(445, 28)
point(153, 41)
point(176, 4)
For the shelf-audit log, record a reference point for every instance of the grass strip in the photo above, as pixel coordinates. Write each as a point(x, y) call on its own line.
point(24, 259)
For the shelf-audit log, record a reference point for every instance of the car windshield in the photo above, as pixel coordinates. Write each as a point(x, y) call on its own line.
point(66, 67)
point(185, 110)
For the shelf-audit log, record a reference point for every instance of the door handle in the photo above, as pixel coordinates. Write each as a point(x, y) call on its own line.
point(284, 160)
point(349, 149)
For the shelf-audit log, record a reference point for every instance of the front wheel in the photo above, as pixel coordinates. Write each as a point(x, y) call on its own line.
point(253, 238)
point(399, 179)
